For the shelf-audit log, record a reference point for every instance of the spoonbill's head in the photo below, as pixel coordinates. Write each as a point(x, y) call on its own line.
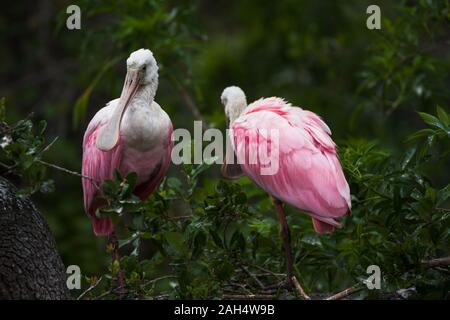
point(234, 100)
point(142, 70)
point(142, 64)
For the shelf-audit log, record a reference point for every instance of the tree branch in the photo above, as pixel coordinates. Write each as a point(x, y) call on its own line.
point(91, 287)
point(54, 166)
point(345, 293)
point(299, 289)
point(253, 277)
point(438, 262)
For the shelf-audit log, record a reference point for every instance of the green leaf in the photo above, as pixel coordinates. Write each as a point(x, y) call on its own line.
point(237, 241)
point(443, 195)
point(407, 158)
point(217, 240)
point(138, 221)
point(421, 133)
point(175, 240)
point(109, 187)
point(241, 198)
point(432, 120)
point(125, 242)
point(117, 175)
point(132, 179)
point(443, 116)
point(199, 243)
point(174, 183)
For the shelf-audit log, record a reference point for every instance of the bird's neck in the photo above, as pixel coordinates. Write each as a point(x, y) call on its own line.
point(146, 94)
point(235, 109)
point(144, 124)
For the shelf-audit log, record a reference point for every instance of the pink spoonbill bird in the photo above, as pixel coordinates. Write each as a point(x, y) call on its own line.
point(308, 176)
point(130, 134)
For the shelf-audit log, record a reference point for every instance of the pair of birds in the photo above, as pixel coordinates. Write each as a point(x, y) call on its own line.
point(134, 134)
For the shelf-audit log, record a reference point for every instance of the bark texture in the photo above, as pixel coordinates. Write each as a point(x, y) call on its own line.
point(30, 266)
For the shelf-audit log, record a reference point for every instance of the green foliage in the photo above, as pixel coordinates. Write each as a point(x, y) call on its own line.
point(399, 220)
point(399, 217)
point(21, 149)
point(199, 236)
point(406, 71)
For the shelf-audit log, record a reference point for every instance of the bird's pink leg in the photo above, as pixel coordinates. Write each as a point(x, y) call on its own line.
point(116, 257)
point(286, 234)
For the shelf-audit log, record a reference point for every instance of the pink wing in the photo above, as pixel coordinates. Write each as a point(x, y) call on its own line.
point(160, 171)
point(309, 175)
point(100, 166)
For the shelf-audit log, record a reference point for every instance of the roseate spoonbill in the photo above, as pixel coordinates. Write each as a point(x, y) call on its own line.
point(130, 134)
point(309, 175)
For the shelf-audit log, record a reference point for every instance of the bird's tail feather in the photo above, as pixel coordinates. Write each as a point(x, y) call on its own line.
point(102, 226)
point(322, 227)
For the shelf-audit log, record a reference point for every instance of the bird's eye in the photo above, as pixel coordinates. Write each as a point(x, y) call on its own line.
point(144, 68)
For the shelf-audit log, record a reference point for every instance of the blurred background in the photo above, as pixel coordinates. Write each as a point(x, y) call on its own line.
point(368, 85)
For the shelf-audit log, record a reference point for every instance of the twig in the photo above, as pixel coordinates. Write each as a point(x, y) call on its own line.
point(171, 220)
point(54, 166)
point(92, 287)
point(9, 169)
point(253, 277)
point(180, 217)
point(4, 165)
point(50, 145)
point(268, 271)
point(115, 290)
point(278, 285)
point(153, 281)
point(248, 296)
point(115, 255)
point(438, 262)
point(263, 274)
point(345, 293)
point(239, 285)
point(104, 294)
point(299, 289)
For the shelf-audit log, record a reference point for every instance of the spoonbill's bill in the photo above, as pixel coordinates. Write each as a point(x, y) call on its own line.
point(309, 175)
point(130, 134)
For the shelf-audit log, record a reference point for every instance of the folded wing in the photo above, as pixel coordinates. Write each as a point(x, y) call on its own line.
point(309, 175)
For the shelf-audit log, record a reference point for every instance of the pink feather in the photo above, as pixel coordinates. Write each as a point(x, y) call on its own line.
point(310, 176)
point(100, 166)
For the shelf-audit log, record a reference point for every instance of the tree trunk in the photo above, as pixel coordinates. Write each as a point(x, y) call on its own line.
point(30, 266)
